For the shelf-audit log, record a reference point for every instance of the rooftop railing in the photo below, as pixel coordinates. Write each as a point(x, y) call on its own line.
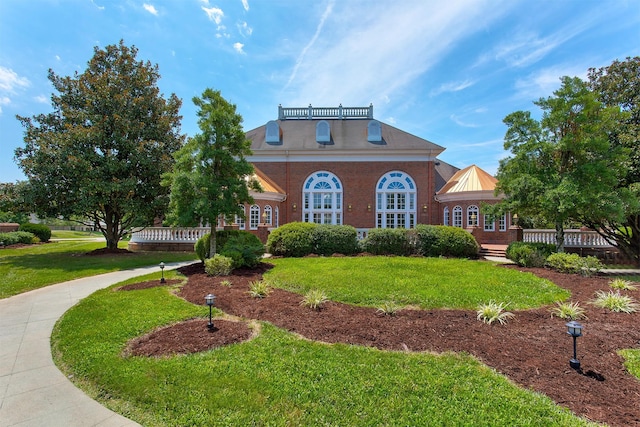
point(310, 113)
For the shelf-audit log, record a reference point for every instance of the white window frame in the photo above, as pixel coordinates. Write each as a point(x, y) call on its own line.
point(489, 223)
point(503, 222)
point(445, 216)
point(268, 218)
point(457, 216)
point(473, 209)
point(254, 217)
point(322, 198)
point(240, 219)
point(277, 212)
point(396, 204)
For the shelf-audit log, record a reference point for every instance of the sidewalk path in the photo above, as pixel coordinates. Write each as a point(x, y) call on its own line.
point(33, 392)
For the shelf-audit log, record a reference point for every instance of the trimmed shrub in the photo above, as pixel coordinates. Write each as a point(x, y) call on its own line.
point(245, 249)
point(530, 254)
point(331, 239)
point(574, 263)
point(41, 231)
point(387, 241)
point(294, 239)
point(219, 265)
point(202, 245)
point(443, 240)
point(16, 237)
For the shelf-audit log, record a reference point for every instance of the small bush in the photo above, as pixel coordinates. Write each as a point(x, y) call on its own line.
point(219, 265)
point(245, 249)
point(529, 254)
point(226, 283)
point(388, 308)
point(259, 289)
point(294, 239)
point(331, 239)
point(624, 285)
point(16, 237)
point(442, 240)
point(574, 264)
point(387, 241)
point(615, 302)
point(314, 299)
point(202, 245)
point(491, 312)
point(569, 311)
point(41, 231)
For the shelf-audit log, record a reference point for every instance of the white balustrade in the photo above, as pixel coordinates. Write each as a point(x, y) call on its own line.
point(169, 234)
point(572, 238)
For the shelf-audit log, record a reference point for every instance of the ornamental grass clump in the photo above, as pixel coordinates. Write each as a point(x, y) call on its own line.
point(388, 308)
point(569, 311)
point(621, 284)
point(259, 289)
point(314, 299)
point(493, 311)
point(615, 302)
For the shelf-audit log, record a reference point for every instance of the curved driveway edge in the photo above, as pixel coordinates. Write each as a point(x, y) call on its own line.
point(33, 392)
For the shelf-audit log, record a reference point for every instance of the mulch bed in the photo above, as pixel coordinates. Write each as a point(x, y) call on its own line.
point(533, 349)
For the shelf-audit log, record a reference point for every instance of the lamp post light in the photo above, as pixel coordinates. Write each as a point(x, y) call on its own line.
point(162, 270)
point(575, 330)
point(210, 299)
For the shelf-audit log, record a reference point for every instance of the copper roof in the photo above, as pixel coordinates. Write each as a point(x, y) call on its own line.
point(471, 178)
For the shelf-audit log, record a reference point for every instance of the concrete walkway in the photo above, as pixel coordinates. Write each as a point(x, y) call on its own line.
point(33, 392)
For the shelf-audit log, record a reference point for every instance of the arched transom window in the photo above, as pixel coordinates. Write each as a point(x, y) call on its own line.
point(322, 199)
point(396, 201)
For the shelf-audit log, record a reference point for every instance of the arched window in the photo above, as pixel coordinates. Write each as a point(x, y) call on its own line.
point(396, 201)
point(457, 216)
point(254, 217)
point(445, 217)
point(277, 224)
point(240, 219)
point(323, 132)
point(322, 199)
point(272, 133)
point(472, 216)
point(267, 215)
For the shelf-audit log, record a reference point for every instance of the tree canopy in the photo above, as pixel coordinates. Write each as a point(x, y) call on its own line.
point(212, 177)
point(100, 154)
point(563, 166)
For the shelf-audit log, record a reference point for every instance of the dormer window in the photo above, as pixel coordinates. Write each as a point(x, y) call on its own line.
point(272, 135)
point(323, 132)
point(374, 131)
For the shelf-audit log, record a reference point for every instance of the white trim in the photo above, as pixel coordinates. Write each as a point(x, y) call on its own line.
point(270, 196)
point(468, 195)
point(341, 156)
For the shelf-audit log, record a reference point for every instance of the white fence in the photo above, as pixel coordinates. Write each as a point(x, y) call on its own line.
point(572, 238)
point(168, 234)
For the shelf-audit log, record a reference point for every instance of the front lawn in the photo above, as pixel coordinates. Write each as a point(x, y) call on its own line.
point(278, 378)
point(423, 282)
point(33, 267)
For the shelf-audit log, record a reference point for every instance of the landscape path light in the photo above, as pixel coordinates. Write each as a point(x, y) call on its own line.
point(210, 299)
point(162, 270)
point(575, 330)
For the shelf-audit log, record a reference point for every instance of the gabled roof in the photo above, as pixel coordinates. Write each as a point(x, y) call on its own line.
point(271, 190)
point(471, 178)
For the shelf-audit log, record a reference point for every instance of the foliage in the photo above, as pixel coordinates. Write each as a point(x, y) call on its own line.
point(615, 302)
point(212, 176)
point(259, 288)
point(388, 308)
point(330, 239)
point(387, 241)
point(442, 240)
point(34, 267)
point(426, 283)
point(294, 239)
point(219, 265)
point(314, 299)
point(568, 311)
point(618, 85)
point(15, 237)
point(41, 231)
point(574, 264)
point(277, 378)
point(529, 254)
point(226, 283)
point(101, 153)
point(202, 246)
point(493, 311)
point(621, 284)
point(13, 207)
point(563, 166)
point(245, 249)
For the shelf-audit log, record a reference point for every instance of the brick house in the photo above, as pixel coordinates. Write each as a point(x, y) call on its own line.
point(342, 166)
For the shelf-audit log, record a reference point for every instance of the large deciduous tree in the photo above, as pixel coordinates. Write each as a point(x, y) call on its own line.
point(563, 166)
point(618, 85)
point(100, 154)
point(212, 177)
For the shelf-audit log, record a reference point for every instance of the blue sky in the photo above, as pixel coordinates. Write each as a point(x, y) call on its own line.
point(446, 71)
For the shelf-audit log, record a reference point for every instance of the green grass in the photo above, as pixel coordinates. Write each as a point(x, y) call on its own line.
point(278, 379)
point(36, 266)
point(67, 234)
point(423, 282)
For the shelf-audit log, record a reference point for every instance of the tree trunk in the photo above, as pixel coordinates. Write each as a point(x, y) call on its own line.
point(212, 244)
point(559, 236)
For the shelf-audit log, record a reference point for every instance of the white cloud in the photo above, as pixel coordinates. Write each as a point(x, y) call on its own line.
point(41, 99)
point(245, 29)
point(4, 101)
point(238, 47)
point(214, 14)
point(452, 87)
point(10, 80)
point(99, 7)
point(150, 8)
point(245, 4)
point(543, 82)
point(459, 122)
